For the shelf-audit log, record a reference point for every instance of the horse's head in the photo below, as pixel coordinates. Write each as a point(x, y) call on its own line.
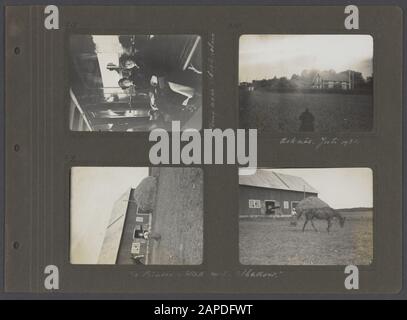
point(342, 221)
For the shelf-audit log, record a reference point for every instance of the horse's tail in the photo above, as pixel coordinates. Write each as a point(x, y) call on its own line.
point(336, 213)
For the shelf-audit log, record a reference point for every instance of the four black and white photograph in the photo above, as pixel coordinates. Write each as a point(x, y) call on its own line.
point(135, 82)
point(287, 84)
point(306, 216)
point(306, 83)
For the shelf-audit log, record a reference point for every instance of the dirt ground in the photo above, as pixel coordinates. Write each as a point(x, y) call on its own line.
point(280, 112)
point(178, 217)
point(265, 241)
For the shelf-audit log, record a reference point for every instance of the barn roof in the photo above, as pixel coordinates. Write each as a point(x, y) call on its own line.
point(275, 180)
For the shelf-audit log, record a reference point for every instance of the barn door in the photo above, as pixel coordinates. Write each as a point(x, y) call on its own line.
point(270, 207)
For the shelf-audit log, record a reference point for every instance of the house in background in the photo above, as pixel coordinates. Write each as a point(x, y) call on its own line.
point(345, 80)
point(270, 193)
point(247, 86)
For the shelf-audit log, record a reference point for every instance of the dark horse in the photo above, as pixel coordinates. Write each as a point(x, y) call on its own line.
point(321, 214)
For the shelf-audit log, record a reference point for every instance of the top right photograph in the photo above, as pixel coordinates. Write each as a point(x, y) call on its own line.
point(306, 83)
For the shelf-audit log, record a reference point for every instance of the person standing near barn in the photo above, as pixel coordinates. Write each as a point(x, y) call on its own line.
point(307, 121)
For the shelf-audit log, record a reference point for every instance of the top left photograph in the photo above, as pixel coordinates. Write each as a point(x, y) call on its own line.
point(134, 83)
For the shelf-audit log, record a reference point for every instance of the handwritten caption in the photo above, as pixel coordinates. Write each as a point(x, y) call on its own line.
point(245, 273)
point(321, 142)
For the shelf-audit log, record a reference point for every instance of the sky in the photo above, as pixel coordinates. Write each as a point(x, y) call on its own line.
point(94, 190)
point(339, 187)
point(108, 50)
point(266, 56)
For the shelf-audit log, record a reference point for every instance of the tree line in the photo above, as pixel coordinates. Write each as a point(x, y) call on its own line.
point(305, 81)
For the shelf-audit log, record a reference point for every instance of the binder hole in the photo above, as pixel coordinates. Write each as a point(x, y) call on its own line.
point(16, 245)
point(16, 147)
point(17, 50)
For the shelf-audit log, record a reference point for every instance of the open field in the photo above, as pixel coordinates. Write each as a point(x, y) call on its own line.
point(275, 242)
point(280, 112)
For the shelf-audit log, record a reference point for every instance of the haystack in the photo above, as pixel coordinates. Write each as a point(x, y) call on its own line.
point(311, 203)
point(144, 194)
point(306, 204)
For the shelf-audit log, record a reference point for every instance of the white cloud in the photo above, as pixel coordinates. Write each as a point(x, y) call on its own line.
point(266, 56)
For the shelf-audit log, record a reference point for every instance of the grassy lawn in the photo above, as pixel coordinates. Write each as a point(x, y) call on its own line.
point(276, 242)
point(280, 112)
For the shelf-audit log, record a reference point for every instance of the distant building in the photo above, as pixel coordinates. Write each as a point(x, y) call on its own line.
point(271, 193)
point(247, 86)
point(344, 80)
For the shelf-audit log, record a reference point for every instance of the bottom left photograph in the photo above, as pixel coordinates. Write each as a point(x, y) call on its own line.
point(136, 215)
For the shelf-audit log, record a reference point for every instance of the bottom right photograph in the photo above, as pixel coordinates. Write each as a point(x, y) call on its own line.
point(311, 216)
